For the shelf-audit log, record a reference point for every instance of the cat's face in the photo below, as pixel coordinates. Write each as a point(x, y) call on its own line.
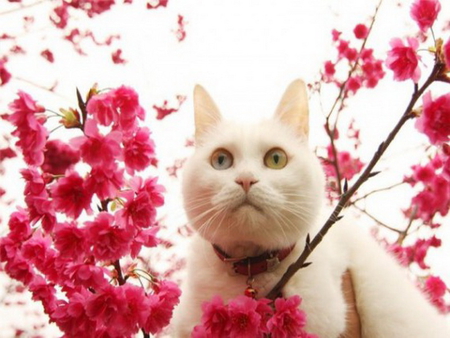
point(251, 183)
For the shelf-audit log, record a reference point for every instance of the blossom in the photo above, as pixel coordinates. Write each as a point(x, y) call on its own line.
point(106, 305)
point(139, 208)
point(361, 31)
point(139, 151)
point(70, 240)
point(425, 12)
point(435, 118)
point(29, 128)
point(126, 100)
point(101, 106)
point(403, 59)
point(161, 307)
point(436, 289)
point(70, 196)
point(44, 292)
point(58, 157)
point(109, 242)
point(135, 312)
point(87, 275)
point(348, 166)
point(19, 226)
point(244, 320)
point(215, 318)
point(288, 320)
point(98, 150)
point(105, 182)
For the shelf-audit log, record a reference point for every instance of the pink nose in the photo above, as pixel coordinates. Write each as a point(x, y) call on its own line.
point(246, 183)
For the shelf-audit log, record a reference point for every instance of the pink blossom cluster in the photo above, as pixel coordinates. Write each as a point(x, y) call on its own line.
point(433, 197)
point(248, 317)
point(436, 289)
point(403, 58)
point(65, 246)
point(365, 69)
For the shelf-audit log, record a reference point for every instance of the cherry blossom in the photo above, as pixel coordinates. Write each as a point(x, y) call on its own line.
point(435, 118)
point(425, 12)
point(403, 59)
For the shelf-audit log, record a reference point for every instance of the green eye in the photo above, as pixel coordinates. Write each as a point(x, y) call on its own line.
point(221, 159)
point(275, 158)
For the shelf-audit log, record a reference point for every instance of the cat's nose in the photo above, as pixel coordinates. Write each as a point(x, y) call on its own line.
point(246, 182)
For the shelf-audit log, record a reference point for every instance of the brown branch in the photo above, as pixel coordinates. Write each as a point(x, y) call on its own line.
point(367, 173)
point(341, 98)
point(384, 225)
point(22, 7)
point(377, 191)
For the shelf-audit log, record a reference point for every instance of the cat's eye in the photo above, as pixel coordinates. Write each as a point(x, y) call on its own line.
point(275, 158)
point(221, 159)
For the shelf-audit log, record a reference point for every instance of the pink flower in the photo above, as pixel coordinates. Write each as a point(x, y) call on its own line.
point(70, 196)
point(353, 84)
point(139, 151)
point(436, 289)
point(20, 269)
point(126, 100)
point(435, 119)
point(29, 129)
point(44, 292)
point(215, 318)
point(288, 320)
point(348, 165)
point(425, 12)
point(108, 241)
point(106, 305)
point(244, 320)
point(71, 316)
point(105, 182)
point(87, 275)
point(98, 150)
point(71, 241)
point(135, 312)
point(139, 209)
point(403, 59)
point(58, 157)
point(145, 238)
point(161, 307)
point(361, 31)
point(19, 226)
point(101, 106)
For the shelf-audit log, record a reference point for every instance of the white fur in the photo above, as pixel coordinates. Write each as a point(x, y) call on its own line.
point(288, 204)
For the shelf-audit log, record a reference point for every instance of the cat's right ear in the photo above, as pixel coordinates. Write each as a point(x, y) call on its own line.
point(206, 112)
point(293, 108)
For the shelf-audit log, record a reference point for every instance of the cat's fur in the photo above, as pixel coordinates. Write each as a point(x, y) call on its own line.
point(279, 208)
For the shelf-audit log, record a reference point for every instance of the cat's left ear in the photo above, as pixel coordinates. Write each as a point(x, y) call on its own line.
point(206, 112)
point(293, 108)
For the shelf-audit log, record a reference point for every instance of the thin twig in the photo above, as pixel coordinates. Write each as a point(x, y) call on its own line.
point(367, 173)
point(22, 7)
point(384, 225)
point(341, 98)
point(377, 191)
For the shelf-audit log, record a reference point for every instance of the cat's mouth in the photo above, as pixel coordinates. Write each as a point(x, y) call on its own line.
point(248, 204)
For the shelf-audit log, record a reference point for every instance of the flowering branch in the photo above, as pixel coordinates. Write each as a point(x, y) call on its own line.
point(367, 173)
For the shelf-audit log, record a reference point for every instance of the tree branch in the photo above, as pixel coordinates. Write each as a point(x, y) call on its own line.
point(367, 173)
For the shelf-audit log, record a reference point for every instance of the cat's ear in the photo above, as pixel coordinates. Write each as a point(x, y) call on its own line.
point(206, 112)
point(293, 108)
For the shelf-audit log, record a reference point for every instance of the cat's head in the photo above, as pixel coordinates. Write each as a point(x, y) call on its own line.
point(256, 184)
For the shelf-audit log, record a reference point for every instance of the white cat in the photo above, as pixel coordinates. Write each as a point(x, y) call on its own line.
point(252, 190)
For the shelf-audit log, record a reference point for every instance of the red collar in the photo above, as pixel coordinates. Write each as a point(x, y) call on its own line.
point(250, 266)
